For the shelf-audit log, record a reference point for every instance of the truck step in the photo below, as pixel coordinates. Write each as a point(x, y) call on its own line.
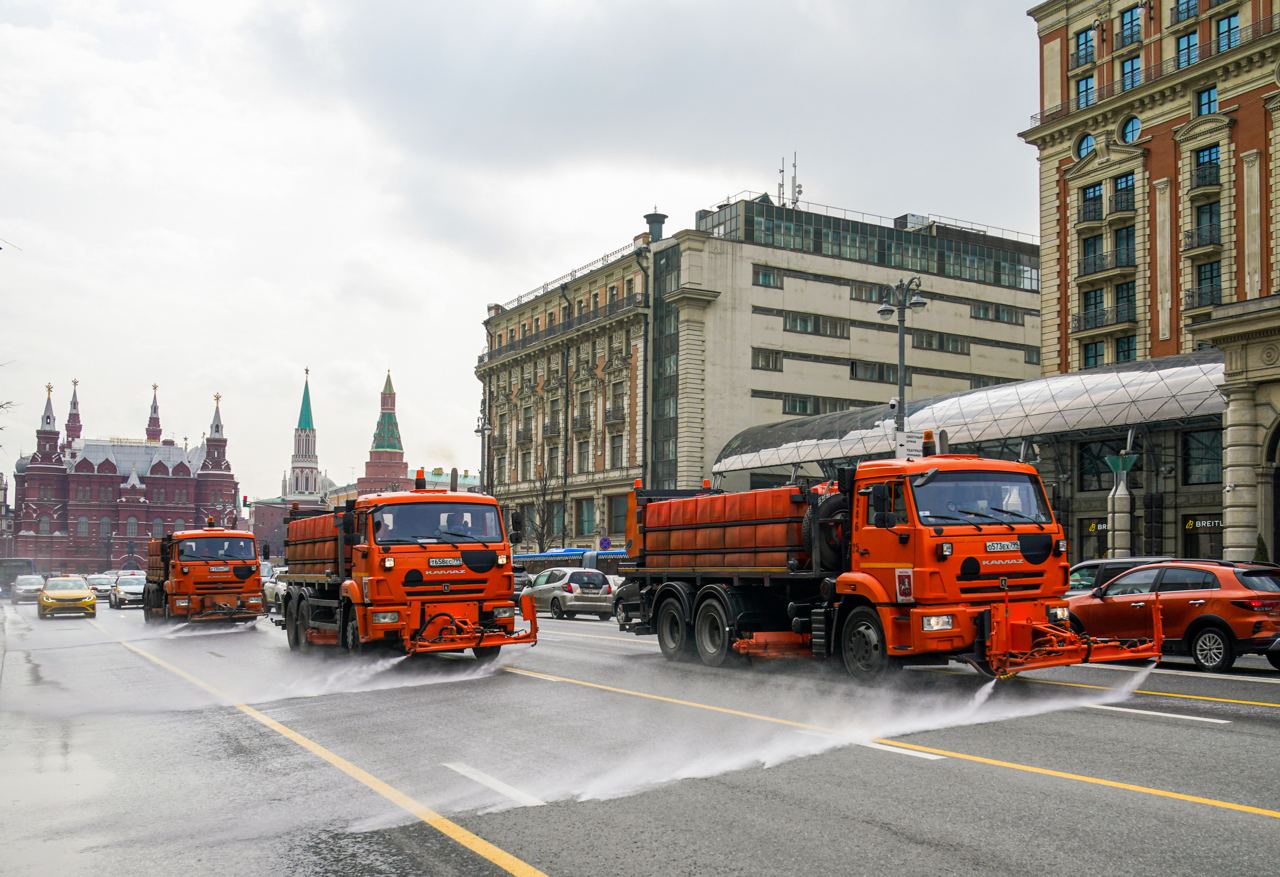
point(641, 629)
point(819, 619)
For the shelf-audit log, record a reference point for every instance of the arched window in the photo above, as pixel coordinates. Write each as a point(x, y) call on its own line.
point(46, 525)
point(179, 524)
point(157, 528)
point(1132, 129)
point(1085, 146)
point(131, 527)
point(82, 526)
point(104, 528)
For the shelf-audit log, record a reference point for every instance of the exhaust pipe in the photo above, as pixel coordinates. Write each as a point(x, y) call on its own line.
point(453, 479)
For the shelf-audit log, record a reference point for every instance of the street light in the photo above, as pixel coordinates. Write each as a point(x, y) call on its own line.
point(904, 297)
point(484, 430)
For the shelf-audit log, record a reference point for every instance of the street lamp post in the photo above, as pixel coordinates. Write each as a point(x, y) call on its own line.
point(484, 430)
point(903, 297)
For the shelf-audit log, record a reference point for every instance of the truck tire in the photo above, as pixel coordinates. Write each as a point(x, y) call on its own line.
point(291, 625)
point(354, 646)
point(673, 633)
point(863, 647)
point(711, 634)
point(1273, 658)
point(833, 535)
point(303, 622)
point(486, 654)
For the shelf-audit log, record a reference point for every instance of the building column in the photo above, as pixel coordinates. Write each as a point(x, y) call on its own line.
point(691, 407)
point(1164, 258)
point(1120, 518)
point(1240, 459)
point(1267, 507)
point(1252, 223)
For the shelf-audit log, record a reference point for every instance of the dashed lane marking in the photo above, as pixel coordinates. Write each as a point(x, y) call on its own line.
point(613, 639)
point(497, 785)
point(450, 829)
point(1122, 709)
point(946, 753)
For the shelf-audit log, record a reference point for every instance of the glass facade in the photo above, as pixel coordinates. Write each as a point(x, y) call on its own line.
point(1202, 457)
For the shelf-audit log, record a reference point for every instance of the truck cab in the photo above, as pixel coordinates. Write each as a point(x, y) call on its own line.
point(210, 574)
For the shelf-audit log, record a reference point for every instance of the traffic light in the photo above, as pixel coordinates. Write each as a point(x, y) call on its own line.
point(245, 500)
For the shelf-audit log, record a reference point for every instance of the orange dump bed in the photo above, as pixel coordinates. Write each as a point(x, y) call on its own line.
point(311, 545)
point(759, 528)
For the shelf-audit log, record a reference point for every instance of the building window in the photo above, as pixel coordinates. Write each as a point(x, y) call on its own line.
point(46, 525)
point(526, 464)
point(1126, 301)
point(1202, 457)
point(1227, 30)
point(815, 324)
point(1131, 131)
point(1085, 93)
point(1122, 240)
point(1085, 146)
point(762, 275)
point(792, 404)
point(104, 528)
point(878, 372)
point(553, 461)
point(865, 292)
point(766, 360)
point(131, 527)
point(584, 517)
point(1091, 203)
point(1208, 218)
point(555, 512)
point(1131, 73)
point(925, 340)
point(179, 524)
point(996, 313)
point(1126, 348)
point(82, 526)
point(618, 514)
point(1031, 356)
point(1092, 354)
point(630, 285)
point(1084, 48)
point(1208, 279)
point(617, 396)
point(617, 454)
point(157, 528)
point(1188, 49)
point(584, 457)
point(1207, 101)
point(1095, 300)
point(499, 469)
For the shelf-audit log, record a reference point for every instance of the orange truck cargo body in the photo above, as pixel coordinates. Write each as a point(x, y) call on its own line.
point(211, 574)
point(417, 571)
point(899, 561)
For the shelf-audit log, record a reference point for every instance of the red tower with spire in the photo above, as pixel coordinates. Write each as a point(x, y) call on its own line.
point(73, 419)
point(386, 469)
point(153, 422)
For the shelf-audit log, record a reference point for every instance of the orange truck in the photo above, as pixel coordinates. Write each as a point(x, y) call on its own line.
point(211, 574)
point(899, 561)
point(415, 571)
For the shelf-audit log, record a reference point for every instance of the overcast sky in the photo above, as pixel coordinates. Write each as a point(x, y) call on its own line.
point(215, 196)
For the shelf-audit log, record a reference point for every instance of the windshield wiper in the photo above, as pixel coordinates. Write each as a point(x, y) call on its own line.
point(1018, 515)
point(987, 516)
point(469, 537)
point(957, 520)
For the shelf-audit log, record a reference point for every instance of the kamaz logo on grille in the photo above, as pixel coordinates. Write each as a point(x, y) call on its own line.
point(1003, 546)
point(450, 561)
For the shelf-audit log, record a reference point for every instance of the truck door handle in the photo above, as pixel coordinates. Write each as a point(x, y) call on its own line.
point(1195, 602)
point(1137, 605)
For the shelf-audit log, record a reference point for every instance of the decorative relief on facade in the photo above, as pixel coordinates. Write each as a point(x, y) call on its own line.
point(1164, 288)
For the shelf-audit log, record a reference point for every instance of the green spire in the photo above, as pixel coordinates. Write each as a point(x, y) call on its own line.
point(386, 435)
point(387, 388)
point(304, 416)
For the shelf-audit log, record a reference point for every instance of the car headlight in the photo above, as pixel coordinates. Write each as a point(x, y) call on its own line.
point(386, 617)
point(46, 598)
point(938, 622)
point(1059, 614)
point(504, 612)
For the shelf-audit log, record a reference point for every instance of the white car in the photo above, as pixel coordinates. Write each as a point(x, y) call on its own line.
point(273, 589)
point(100, 584)
point(127, 591)
point(26, 587)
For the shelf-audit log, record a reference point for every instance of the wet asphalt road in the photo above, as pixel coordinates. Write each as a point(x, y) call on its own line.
point(122, 751)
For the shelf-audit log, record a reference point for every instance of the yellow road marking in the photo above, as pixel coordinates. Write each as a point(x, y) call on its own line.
point(1160, 693)
point(963, 756)
point(447, 827)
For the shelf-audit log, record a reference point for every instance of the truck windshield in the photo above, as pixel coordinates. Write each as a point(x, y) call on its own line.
point(216, 548)
point(953, 499)
point(436, 522)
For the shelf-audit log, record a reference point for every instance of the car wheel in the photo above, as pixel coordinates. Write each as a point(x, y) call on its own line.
point(1212, 650)
point(1273, 658)
point(571, 615)
point(556, 611)
point(711, 634)
point(863, 648)
point(486, 654)
point(673, 633)
point(605, 616)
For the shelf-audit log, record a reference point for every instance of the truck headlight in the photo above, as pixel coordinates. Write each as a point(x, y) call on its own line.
point(945, 550)
point(504, 612)
point(1061, 547)
point(938, 622)
point(386, 617)
point(1059, 614)
point(502, 560)
point(388, 563)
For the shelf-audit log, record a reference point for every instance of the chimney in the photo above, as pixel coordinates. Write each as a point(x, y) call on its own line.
point(655, 221)
point(641, 240)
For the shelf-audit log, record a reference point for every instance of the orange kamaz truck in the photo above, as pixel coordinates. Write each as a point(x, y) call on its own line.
point(899, 561)
point(414, 571)
point(203, 575)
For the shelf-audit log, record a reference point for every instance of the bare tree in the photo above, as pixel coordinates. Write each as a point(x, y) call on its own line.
point(542, 525)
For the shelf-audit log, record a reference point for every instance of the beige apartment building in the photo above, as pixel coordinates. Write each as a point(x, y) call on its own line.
point(1159, 150)
point(760, 313)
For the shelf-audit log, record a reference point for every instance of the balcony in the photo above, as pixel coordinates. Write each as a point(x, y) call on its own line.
point(1080, 58)
point(615, 414)
point(1121, 202)
point(552, 427)
point(581, 422)
point(524, 435)
point(1128, 36)
point(1104, 318)
point(1090, 210)
point(498, 442)
point(1211, 49)
point(1206, 176)
point(1183, 11)
point(1202, 237)
point(1116, 260)
point(1202, 297)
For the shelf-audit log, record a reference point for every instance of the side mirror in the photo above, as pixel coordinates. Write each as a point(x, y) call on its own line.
point(1099, 592)
point(517, 527)
point(844, 481)
point(348, 524)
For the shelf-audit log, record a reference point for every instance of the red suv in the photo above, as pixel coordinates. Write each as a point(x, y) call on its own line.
point(1213, 610)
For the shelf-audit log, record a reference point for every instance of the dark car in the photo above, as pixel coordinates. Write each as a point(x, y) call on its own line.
point(1090, 574)
point(1212, 610)
point(523, 580)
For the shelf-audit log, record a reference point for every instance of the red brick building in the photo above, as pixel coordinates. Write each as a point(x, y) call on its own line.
point(83, 505)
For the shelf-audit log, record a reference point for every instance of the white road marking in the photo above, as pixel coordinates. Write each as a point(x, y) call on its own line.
point(522, 798)
point(1123, 709)
point(613, 639)
point(1194, 674)
point(927, 756)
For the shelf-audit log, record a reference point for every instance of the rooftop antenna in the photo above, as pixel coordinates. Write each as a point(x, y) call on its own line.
point(796, 188)
point(782, 181)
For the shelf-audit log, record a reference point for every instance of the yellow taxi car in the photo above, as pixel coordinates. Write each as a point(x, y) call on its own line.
point(66, 595)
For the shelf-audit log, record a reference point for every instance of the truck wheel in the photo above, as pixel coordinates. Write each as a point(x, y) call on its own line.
point(711, 634)
point(1212, 650)
point(863, 647)
point(486, 654)
point(556, 611)
point(1273, 658)
point(673, 633)
point(291, 625)
point(303, 623)
point(354, 646)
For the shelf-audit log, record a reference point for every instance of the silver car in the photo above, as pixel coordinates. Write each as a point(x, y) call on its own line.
point(566, 591)
point(101, 584)
point(127, 591)
point(26, 588)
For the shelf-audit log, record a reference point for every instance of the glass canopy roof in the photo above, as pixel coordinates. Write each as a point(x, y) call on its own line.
point(1165, 390)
